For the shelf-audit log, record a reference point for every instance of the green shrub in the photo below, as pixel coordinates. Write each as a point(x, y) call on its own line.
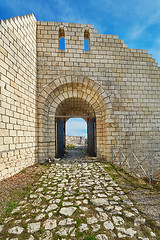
point(70, 146)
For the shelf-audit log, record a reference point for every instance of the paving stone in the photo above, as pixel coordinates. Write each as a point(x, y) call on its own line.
point(152, 234)
point(99, 201)
point(83, 208)
point(113, 202)
point(16, 210)
point(138, 221)
point(114, 212)
point(83, 227)
point(80, 197)
point(33, 227)
point(51, 175)
point(33, 196)
point(96, 227)
point(128, 214)
point(67, 221)
point(101, 237)
point(108, 193)
point(101, 195)
point(39, 190)
point(17, 221)
point(126, 232)
point(73, 233)
point(50, 214)
point(67, 204)
point(102, 216)
point(127, 202)
point(99, 209)
point(40, 216)
point(118, 220)
point(109, 208)
point(92, 220)
point(116, 198)
point(22, 203)
point(78, 203)
point(135, 210)
point(50, 224)
point(109, 225)
point(34, 210)
point(85, 201)
point(47, 197)
point(47, 235)
point(67, 211)
point(16, 230)
point(36, 202)
point(117, 208)
point(65, 231)
point(51, 207)
point(1, 228)
point(140, 238)
point(31, 238)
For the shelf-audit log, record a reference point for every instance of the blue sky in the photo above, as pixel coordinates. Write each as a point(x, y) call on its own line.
point(137, 22)
point(76, 127)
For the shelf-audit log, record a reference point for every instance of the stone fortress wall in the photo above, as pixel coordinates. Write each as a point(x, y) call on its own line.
point(18, 93)
point(117, 85)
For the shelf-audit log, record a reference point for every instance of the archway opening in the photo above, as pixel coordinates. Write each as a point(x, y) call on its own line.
point(75, 108)
point(76, 134)
point(76, 137)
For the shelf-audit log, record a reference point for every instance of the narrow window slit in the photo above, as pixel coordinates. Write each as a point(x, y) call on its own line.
point(61, 39)
point(86, 41)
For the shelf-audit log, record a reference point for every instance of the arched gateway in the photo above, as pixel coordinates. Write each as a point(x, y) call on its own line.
point(72, 97)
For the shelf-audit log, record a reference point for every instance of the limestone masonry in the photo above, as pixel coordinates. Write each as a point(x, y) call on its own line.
point(117, 86)
point(75, 140)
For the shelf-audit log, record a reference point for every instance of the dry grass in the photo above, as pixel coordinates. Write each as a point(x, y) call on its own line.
point(12, 189)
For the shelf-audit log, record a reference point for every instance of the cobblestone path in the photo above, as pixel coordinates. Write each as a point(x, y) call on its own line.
point(75, 200)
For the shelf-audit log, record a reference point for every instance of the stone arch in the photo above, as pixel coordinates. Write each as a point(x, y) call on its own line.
point(62, 90)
